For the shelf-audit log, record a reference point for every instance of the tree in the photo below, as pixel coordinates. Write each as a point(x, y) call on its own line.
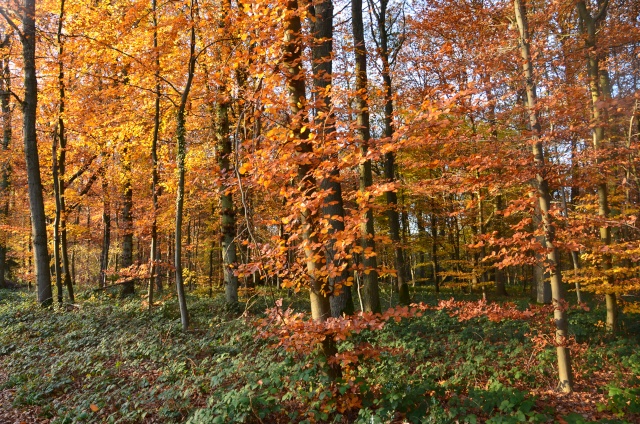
point(153, 255)
point(224, 152)
point(544, 198)
point(319, 290)
point(29, 111)
point(387, 55)
point(5, 166)
point(59, 154)
point(181, 151)
point(333, 206)
point(370, 295)
point(600, 90)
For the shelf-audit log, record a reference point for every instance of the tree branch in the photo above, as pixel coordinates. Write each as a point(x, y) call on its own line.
point(81, 171)
point(602, 12)
point(10, 22)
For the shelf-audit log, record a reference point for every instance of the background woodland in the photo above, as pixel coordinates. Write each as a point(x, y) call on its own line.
point(365, 154)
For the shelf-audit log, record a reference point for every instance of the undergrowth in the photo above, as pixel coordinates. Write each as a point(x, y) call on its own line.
point(112, 361)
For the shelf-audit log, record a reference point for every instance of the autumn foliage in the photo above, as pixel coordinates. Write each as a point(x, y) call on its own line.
point(366, 155)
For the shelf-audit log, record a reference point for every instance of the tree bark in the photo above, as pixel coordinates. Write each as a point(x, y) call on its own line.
point(126, 246)
point(56, 220)
point(389, 163)
point(371, 291)
point(36, 203)
point(319, 290)
point(61, 252)
point(181, 151)
point(106, 230)
point(153, 255)
point(224, 152)
point(5, 167)
point(557, 290)
point(600, 89)
point(228, 224)
point(341, 300)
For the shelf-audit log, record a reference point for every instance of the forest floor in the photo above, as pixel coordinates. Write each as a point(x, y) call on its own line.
point(111, 360)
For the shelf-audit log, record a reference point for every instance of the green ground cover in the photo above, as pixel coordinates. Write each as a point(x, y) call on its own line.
point(113, 361)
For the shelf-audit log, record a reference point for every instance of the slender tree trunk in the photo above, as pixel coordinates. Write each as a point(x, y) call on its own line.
point(5, 167)
point(574, 254)
point(61, 251)
point(421, 255)
point(500, 275)
point(126, 246)
point(106, 230)
point(600, 89)
point(154, 258)
point(371, 291)
point(56, 220)
point(564, 359)
point(389, 163)
point(181, 151)
point(29, 107)
point(434, 251)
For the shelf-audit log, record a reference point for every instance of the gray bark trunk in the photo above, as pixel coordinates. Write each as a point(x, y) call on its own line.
point(106, 230)
point(341, 300)
point(600, 90)
point(36, 203)
point(181, 151)
point(153, 255)
point(564, 360)
point(371, 291)
point(126, 246)
point(5, 167)
point(389, 163)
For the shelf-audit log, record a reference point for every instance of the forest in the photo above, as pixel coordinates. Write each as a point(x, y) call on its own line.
point(319, 211)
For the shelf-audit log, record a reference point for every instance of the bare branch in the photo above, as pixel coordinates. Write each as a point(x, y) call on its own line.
point(12, 24)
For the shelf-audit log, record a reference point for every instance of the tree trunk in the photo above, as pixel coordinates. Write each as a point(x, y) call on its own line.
point(36, 203)
point(228, 225)
point(126, 246)
point(181, 151)
point(319, 291)
point(5, 167)
point(557, 290)
point(106, 230)
point(500, 275)
point(371, 291)
point(341, 300)
point(153, 256)
point(389, 163)
point(56, 220)
point(61, 252)
point(600, 89)
point(434, 251)
point(421, 255)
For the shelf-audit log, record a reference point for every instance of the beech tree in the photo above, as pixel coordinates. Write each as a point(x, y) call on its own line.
point(371, 295)
point(29, 110)
point(553, 263)
point(5, 165)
